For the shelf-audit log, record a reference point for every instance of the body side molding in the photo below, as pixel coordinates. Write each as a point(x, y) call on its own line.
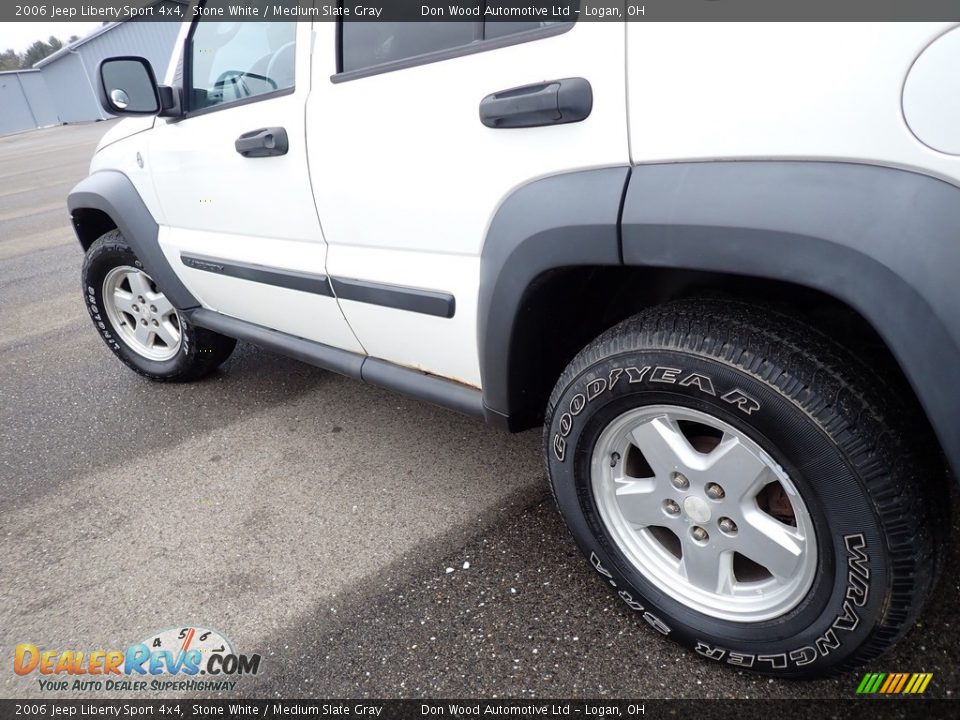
point(884, 241)
point(399, 297)
point(112, 192)
point(289, 279)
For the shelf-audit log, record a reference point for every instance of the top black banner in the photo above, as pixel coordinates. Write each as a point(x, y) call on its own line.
point(488, 10)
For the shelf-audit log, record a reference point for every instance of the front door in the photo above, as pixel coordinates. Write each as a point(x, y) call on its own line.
point(240, 225)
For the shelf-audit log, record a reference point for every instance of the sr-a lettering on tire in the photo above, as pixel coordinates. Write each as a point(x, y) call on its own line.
point(830, 422)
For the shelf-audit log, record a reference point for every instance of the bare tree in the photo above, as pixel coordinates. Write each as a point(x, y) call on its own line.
point(9, 60)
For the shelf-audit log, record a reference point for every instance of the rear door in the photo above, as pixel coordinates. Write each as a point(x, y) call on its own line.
point(407, 177)
point(241, 229)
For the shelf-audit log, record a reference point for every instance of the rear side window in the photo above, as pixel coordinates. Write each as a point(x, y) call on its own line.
point(232, 61)
point(374, 43)
point(504, 28)
point(369, 44)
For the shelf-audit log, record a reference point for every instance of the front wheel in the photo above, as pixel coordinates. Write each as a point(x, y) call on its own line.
point(745, 486)
point(137, 321)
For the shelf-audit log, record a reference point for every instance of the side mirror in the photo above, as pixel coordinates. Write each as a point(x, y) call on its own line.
point(129, 87)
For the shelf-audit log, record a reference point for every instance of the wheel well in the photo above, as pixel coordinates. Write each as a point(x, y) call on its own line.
point(91, 224)
point(564, 310)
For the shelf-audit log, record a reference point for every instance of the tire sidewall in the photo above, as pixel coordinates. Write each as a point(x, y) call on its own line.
point(99, 262)
point(848, 592)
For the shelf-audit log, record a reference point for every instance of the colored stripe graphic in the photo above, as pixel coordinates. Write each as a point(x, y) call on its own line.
point(891, 681)
point(915, 681)
point(894, 683)
point(920, 683)
point(903, 680)
point(862, 687)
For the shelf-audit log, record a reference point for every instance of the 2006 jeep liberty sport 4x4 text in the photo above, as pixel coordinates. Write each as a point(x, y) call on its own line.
point(718, 263)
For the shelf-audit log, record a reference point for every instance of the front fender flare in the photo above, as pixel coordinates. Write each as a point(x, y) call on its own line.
point(112, 193)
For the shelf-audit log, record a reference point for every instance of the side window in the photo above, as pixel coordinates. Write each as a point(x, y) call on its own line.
point(373, 43)
point(231, 61)
point(365, 44)
point(493, 30)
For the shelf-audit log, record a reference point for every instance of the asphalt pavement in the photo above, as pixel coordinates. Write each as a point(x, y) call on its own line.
point(364, 544)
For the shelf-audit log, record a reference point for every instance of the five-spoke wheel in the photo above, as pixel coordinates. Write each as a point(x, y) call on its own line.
point(704, 512)
point(142, 315)
point(137, 320)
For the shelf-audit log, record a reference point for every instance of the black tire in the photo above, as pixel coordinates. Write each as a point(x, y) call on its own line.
point(201, 351)
point(871, 488)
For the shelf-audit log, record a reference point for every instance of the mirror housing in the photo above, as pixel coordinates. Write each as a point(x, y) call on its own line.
point(170, 105)
point(128, 86)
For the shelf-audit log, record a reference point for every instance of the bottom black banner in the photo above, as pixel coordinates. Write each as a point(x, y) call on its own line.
point(471, 709)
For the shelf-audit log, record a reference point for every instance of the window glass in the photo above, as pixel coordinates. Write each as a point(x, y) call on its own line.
point(499, 29)
point(232, 61)
point(373, 43)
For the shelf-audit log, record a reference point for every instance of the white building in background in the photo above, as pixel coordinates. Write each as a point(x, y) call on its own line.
point(62, 88)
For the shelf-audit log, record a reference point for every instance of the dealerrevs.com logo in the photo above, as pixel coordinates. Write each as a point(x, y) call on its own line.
point(188, 659)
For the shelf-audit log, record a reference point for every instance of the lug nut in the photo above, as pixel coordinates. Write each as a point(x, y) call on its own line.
point(140, 298)
point(699, 534)
point(714, 491)
point(143, 321)
point(728, 526)
point(153, 308)
point(679, 481)
point(136, 308)
point(671, 508)
point(156, 324)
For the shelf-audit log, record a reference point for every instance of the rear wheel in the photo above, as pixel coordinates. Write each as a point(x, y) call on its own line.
point(746, 486)
point(137, 321)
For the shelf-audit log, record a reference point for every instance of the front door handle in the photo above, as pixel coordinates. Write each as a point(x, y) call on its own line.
point(266, 142)
point(548, 103)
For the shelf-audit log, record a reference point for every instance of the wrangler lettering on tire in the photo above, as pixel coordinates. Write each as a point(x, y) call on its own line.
point(738, 478)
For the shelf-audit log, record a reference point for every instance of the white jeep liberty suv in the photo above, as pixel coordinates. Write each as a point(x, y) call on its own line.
point(718, 262)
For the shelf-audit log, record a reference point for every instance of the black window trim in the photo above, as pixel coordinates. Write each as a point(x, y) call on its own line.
point(477, 46)
point(188, 81)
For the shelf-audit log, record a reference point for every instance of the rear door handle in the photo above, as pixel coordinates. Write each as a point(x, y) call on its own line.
point(548, 103)
point(266, 142)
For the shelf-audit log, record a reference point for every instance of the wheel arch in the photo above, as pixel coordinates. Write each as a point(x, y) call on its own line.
point(879, 242)
point(108, 200)
point(558, 222)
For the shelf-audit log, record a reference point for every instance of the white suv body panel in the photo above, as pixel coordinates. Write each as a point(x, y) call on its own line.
point(217, 204)
point(812, 91)
point(407, 179)
point(392, 178)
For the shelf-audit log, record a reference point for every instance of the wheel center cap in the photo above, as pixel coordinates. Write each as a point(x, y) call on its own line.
point(696, 509)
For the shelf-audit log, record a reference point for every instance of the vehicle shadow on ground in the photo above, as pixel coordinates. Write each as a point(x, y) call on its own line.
point(87, 393)
point(528, 618)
